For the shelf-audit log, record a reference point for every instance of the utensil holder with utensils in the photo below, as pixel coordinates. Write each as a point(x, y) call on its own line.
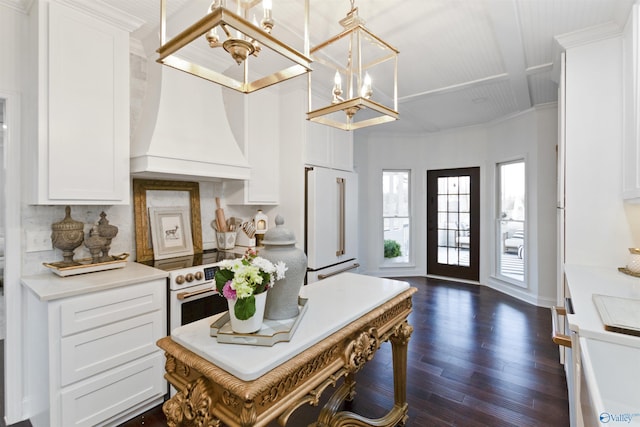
point(226, 240)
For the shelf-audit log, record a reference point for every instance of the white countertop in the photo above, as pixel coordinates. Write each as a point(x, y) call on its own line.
point(49, 286)
point(610, 360)
point(612, 373)
point(332, 304)
point(583, 282)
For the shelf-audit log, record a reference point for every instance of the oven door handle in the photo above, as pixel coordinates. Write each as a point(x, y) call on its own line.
point(186, 295)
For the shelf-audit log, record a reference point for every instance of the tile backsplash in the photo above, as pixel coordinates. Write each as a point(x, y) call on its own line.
point(37, 221)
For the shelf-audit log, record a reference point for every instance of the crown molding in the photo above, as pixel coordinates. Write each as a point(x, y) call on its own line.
point(20, 5)
point(105, 12)
point(578, 38)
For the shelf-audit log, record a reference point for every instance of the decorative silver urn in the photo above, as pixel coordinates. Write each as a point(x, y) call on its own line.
point(279, 245)
point(107, 231)
point(95, 243)
point(67, 235)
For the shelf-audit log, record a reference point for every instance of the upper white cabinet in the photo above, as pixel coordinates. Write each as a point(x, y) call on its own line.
point(261, 148)
point(327, 146)
point(631, 109)
point(322, 145)
point(79, 151)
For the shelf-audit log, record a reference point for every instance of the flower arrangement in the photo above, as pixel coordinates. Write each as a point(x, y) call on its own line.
point(241, 279)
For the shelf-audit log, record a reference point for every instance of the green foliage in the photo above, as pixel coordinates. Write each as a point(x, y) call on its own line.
point(391, 249)
point(245, 307)
point(222, 277)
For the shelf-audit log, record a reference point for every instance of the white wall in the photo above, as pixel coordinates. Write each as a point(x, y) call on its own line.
point(530, 135)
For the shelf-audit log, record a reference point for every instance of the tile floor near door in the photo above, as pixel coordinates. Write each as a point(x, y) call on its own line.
point(476, 358)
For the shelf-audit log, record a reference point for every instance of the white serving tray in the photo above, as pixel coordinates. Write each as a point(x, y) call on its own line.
point(619, 314)
point(85, 266)
point(272, 331)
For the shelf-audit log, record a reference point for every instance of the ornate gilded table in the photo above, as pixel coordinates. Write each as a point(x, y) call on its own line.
point(348, 317)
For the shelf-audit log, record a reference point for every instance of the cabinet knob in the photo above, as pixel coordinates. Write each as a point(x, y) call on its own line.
point(180, 279)
point(189, 277)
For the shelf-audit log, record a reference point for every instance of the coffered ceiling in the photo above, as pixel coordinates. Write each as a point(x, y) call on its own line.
point(462, 62)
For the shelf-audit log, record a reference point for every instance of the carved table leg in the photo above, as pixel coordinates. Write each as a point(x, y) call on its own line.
point(398, 414)
point(191, 407)
point(399, 343)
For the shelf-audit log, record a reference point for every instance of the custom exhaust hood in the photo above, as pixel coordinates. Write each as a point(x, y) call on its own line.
point(189, 129)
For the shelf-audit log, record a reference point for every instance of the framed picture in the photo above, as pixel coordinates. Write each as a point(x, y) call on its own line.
point(141, 188)
point(170, 232)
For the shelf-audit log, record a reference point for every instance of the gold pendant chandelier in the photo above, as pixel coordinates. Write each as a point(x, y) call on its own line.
point(354, 82)
point(223, 32)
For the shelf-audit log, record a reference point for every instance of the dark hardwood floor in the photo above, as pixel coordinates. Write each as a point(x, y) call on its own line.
point(476, 358)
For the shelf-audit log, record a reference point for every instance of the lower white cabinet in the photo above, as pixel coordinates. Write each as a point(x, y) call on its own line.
point(92, 358)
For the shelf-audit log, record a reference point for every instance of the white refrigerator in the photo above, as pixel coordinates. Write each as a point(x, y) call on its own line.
point(331, 222)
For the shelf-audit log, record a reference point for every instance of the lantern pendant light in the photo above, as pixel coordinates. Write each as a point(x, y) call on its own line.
point(354, 82)
point(225, 44)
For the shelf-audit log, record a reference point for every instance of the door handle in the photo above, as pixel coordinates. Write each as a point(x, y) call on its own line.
point(186, 295)
point(341, 207)
point(558, 338)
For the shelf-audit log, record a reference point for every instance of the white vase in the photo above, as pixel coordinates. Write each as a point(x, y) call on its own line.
point(252, 324)
point(634, 260)
point(279, 245)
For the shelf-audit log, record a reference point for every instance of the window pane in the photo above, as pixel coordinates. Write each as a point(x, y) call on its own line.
point(465, 203)
point(453, 185)
point(395, 195)
point(396, 240)
point(512, 191)
point(511, 221)
point(453, 220)
point(465, 182)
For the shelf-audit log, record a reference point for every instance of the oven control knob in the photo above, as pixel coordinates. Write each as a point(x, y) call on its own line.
point(198, 275)
point(189, 277)
point(180, 279)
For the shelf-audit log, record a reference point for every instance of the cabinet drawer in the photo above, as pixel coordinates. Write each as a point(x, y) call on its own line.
point(101, 308)
point(106, 396)
point(91, 352)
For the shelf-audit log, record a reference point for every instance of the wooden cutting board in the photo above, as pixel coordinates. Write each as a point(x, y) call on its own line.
point(619, 314)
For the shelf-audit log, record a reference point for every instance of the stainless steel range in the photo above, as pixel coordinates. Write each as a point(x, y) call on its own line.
point(191, 292)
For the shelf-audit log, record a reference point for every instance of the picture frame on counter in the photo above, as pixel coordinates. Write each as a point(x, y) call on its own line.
point(144, 189)
point(170, 232)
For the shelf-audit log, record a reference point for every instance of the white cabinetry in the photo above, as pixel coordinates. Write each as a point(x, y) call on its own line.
point(323, 145)
point(262, 151)
point(593, 142)
point(80, 150)
point(631, 109)
point(92, 358)
point(328, 147)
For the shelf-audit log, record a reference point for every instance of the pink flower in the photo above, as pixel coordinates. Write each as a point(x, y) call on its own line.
point(228, 292)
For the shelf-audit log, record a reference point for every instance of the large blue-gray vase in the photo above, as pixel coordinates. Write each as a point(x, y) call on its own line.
point(279, 245)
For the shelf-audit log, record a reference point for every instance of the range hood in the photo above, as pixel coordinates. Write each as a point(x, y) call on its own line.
point(189, 129)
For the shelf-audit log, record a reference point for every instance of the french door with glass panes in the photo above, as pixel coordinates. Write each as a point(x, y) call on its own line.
point(453, 223)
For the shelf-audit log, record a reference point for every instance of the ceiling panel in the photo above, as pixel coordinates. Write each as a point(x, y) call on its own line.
point(453, 53)
point(541, 20)
point(542, 88)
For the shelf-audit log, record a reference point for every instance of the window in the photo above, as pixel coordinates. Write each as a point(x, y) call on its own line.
point(454, 196)
point(395, 212)
point(510, 222)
